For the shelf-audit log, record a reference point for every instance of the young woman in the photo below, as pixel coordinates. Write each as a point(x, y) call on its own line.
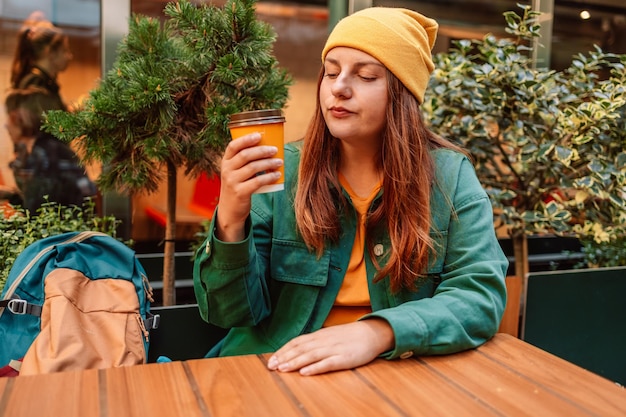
point(42, 53)
point(381, 245)
point(45, 169)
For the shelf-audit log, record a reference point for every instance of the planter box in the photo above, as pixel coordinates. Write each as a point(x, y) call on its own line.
point(579, 316)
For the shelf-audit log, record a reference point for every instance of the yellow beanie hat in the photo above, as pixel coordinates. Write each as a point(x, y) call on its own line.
point(400, 39)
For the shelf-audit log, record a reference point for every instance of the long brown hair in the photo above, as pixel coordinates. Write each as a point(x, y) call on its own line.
point(409, 175)
point(27, 106)
point(32, 41)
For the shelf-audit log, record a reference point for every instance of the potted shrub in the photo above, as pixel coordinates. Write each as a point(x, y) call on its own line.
point(549, 146)
point(167, 100)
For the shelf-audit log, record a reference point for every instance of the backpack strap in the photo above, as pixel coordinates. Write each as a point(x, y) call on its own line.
point(20, 307)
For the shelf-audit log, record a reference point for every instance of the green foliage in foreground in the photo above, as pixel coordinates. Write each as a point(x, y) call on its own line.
point(19, 228)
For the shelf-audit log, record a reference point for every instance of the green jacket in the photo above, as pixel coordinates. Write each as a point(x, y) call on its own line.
point(270, 288)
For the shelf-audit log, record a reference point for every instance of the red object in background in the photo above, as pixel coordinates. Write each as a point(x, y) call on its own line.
point(553, 195)
point(206, 193)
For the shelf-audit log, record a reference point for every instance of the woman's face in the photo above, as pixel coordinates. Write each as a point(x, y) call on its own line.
point(353, 96)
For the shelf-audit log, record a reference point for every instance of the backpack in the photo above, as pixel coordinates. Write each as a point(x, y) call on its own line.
point(78, 300)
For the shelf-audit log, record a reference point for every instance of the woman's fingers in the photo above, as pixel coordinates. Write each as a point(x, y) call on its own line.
point(245, 161)
point(334, 348)
point(245, 168)
point(235, 146)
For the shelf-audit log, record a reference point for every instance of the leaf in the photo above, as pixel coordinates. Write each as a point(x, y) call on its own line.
point(581, 196)
point(563, 154)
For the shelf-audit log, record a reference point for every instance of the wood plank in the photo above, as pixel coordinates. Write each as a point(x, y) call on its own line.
point(67, 394)
point(589, 391)
point(511, 393)
point(318, 395)
point(518, 379)
point(155, 390)
point(242, 386)
point(419, 391)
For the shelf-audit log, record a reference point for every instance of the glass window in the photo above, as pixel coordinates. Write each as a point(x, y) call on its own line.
point(577, 24)
point(80, 20)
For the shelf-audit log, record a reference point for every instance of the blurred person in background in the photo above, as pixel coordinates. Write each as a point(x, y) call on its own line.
point(45, 169)
point(42, 53)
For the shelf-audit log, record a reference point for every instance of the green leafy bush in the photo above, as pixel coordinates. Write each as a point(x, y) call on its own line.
point(19, 228)
point(549, 146)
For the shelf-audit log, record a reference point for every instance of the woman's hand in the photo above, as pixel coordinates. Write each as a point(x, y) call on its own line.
point(334, 348)
point(242, 162)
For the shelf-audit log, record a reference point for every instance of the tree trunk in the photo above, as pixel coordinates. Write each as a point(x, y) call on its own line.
point(520, 253)
point(169, 287)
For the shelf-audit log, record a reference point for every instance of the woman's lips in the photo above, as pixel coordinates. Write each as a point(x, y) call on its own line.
point(339, 112)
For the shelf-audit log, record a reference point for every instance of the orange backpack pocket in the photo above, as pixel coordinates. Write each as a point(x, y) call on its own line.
point(86, 324)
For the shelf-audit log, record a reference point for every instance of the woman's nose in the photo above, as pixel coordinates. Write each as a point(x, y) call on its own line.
point(341, 87)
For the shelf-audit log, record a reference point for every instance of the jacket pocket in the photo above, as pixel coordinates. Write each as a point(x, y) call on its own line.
point(292, 262)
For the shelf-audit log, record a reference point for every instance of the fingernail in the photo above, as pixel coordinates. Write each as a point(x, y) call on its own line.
point(272, 363)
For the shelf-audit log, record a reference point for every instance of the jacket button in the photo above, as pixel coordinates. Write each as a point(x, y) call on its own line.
point(406, 355)
point(378, 250)
point(207, 248)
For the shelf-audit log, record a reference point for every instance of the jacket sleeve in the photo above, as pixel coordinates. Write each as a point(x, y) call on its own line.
point(466, 308)
point(229, 281)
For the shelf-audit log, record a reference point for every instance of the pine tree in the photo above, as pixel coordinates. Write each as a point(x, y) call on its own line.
point(167, 99)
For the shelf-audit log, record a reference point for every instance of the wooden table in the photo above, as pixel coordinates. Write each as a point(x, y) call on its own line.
point(504, 377)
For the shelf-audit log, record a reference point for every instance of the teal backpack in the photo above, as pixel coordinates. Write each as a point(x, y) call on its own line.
point(77, 300)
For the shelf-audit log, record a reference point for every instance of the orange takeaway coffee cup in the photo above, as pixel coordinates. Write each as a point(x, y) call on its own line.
point(270, 124)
